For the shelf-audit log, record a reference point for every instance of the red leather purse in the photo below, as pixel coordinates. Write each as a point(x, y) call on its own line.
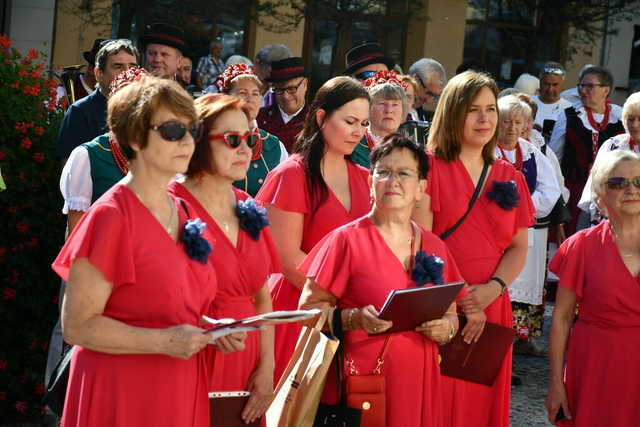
point(368, 392)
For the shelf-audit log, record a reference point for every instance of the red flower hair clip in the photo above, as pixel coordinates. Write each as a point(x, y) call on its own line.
point(126, 77)
point(232, 71)
point(382, 77)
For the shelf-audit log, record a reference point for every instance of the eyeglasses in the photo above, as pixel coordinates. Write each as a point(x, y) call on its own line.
point(426, 91)
point(591, 85)
point(620, 183)
point(234, 139)
point(175, 131)
point(291, 90)
point(364, 75)
point(402, 175)
point(556, 71)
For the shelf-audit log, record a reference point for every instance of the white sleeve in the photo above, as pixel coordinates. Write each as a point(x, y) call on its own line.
point(547, 189)
point(283, 152)
point(556, 141)
point(76, 185)
point(558, 172)
point(586, 202)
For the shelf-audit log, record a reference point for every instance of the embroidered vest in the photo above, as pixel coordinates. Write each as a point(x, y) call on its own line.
point(258, 169)
point(104, 172)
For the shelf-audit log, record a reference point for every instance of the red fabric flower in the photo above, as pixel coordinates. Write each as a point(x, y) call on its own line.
point(26, 143)
point(22, 227)
point(39, 130)
point(8, 294)
point(38, 157)
point(382, 77)
point(21, 406)
point(232, 71)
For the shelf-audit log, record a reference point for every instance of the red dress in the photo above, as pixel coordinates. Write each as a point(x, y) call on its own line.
point(355, 264)
point(155, 285)
point(242, 270)
point(603, 364)
point(286, 189)
point(477, 247)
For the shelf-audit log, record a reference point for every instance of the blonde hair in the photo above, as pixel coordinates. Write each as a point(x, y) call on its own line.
point(605, 163)
point(631, 106)
point(445, 137)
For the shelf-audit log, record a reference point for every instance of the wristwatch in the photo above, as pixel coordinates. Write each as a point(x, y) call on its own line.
point(502, 284)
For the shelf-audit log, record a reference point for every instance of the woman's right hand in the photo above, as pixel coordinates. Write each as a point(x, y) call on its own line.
point(366, 318)
point(183, 341)
point(557, 398)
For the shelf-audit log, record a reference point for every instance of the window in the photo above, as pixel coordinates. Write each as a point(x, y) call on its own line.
point(499, 33)
point(634, 69)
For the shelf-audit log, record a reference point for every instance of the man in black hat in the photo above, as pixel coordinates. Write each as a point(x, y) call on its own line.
point(77, 84)
point(365, 60)
point(163, 46)
point(87, 118)
point(285, 118)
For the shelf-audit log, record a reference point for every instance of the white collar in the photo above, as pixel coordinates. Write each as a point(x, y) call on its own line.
point(286, 118)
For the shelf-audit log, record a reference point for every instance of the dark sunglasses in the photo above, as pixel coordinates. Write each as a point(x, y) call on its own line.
point(620, 183)
point(175, 131)
point(365, 75)
point(234, 139)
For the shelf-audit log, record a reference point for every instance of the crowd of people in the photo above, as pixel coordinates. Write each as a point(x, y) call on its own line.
point(259, 196)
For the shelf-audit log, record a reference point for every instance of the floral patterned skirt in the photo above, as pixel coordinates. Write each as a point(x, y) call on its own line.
point(527, 320)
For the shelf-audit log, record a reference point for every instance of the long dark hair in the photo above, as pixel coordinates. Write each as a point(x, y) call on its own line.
point(310, 144)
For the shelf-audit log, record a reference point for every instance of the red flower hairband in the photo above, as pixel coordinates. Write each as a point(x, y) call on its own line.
point(125, 77)
point(382, 77)
point(232, 71)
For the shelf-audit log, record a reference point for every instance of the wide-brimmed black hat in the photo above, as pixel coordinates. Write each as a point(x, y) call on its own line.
point(366, 54)
point(90, 55)
point(286, 69)
point(165, 34)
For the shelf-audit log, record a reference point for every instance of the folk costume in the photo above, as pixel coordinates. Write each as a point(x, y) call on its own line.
point(242, 270)
point(526, 291)
point(355, 264)
point(155, 285)
point(602, 358)
point(576, 139)
point(477, 245)
point(286, 188)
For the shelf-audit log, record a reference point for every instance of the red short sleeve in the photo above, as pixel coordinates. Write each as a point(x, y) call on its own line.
point(285, 187)
point(102, 236)
point(275, 264)
point(568, 264)
point(525, 209)
point(329, 263)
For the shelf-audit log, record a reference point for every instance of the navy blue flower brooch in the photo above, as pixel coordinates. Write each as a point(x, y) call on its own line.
point(252, 217)
point(428, 269)
point(505, 194)
point(197, 247)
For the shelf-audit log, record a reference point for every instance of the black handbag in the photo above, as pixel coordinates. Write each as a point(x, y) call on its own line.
point(339, 415)
point(57, 387)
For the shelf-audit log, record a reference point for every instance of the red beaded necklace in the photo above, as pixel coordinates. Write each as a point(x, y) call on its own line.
point(519, 160)
point(597, 127)
point(121, 162)
point(257, 150)
point(633, 145)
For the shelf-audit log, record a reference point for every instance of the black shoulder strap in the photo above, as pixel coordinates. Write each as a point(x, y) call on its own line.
point(472, 202)
point(184, 206)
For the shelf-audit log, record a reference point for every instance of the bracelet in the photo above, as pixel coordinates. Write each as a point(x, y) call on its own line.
point(350, 319)
point(452, 332)
point(502, 284)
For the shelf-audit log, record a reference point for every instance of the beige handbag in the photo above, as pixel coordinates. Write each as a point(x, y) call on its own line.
point(298, 392)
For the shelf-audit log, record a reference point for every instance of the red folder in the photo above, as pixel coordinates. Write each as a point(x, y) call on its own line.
point(226, 409)
point(478, 362)
point(409, 308)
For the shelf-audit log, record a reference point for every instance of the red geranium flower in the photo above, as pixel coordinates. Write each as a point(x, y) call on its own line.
point(38, 157)
point(22, 227)
point(21, 127)
point(9, 294)
point(32, 54)
point(12, 210)
point(23, 72)
point(26, 143)
point(39, 130)
point(5, 42)
point(34, 343)
point(15, 85)
point(21, 406)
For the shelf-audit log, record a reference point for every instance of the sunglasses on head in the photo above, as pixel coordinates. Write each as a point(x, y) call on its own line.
point(175, 131)
point(551, 70)
point(234, 139)
point(365, 75)
point(620, 183)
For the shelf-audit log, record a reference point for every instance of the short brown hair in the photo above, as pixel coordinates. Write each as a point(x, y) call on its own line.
point(130, 109)
point(445, 136)
point(209, 107)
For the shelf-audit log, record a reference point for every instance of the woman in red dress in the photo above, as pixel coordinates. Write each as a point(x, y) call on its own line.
point(356, 266)
point(244, 254)
point(595, 364)
point(490, 245)
point(137, 286)
point(315, 191)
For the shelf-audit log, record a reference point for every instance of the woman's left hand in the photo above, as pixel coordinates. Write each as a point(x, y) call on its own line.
point(483, 294)
point(261, 388)
point(231, 343)
point(437, 330)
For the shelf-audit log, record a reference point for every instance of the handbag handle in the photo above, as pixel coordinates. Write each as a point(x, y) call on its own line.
point(472, 202)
